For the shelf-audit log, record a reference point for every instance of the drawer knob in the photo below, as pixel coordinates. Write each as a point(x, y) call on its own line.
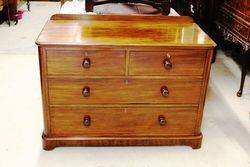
point(86, 91)
point(238, 27)
point(86, 63)
point(162, 120)
point(167, 63)
point(164, 91)
point(86, 120)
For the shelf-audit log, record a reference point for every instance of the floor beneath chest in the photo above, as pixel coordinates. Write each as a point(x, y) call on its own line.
point(226, 122)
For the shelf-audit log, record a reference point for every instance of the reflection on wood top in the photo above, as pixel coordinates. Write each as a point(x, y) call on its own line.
point(137, 31)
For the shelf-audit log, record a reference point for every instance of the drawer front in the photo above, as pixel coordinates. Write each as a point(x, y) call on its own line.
point(86, 63)
point(132, 91)
point(123, 122)
point(240, 29)
point(167, 63)
point(231, 22)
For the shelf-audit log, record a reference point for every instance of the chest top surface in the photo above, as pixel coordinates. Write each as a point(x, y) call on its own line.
point(137, 31)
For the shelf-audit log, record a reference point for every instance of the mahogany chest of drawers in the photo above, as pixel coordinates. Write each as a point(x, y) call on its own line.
point(123, 80)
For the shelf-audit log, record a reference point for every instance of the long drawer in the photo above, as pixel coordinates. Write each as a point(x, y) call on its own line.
point(122, 121)
point(172, 62)
point(86, 63)
point(118, 91)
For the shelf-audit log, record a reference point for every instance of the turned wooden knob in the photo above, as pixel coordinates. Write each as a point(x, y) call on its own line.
point(164, 91)
point(162, 120)
point(86, 91)
point(86, 63)
point(86, 120)
point(167, 63)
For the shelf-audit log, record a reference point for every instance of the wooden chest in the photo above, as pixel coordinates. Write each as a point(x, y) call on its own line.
point(123, 80)
point(234, 19)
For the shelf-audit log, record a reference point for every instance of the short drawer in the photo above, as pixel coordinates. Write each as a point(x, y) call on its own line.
point(71, 121)
point(129, 91)
point(240, 29)
point(180, 62)
point(85, 63)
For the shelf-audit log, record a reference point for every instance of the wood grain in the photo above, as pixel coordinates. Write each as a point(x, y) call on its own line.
point(184, 62)
point(68, 121)
point(204, 90)
point(142, 32)
point(70, 62)
point(124, 80)
point(49, 143)
point(123, 91)
point(120, 17)
point(44, 89)
point(234, 23)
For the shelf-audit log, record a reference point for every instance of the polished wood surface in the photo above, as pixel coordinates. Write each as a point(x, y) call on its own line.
point(119, 93)
point(49, 143)
point(133, 91)
point(117, 122)
point(234, 24)
point(183, 62)
point(142, 32)
point(135, 17)
point(240, 7)
point(72, 62)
